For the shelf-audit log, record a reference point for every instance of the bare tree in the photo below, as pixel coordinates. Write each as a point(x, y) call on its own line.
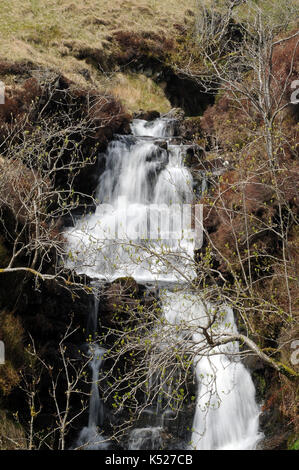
point(39, 166)
point(152, 355)
point(238, 60)
point(66, 379)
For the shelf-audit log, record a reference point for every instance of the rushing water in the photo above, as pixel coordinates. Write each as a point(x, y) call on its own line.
point(90, 438)
point(146, 171)
point(141, 191)
point(226, 416)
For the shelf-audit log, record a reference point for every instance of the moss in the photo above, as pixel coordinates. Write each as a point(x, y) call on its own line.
point(260, 384)
point(288, 371)
point(293, 443)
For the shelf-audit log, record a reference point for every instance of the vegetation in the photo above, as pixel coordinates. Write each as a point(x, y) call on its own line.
point(63, 63)
point(60, 34)
point(139, 92)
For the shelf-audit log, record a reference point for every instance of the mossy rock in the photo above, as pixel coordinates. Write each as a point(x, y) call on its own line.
point(293, 443)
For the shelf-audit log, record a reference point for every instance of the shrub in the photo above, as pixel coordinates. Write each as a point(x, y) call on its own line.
point(11, 333)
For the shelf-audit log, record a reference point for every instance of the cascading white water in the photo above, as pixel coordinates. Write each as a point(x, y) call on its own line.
point(226, 416)
point(90, 438)
point(95, 406)
point(157, 128)
point(145, 438)
point(140, 172)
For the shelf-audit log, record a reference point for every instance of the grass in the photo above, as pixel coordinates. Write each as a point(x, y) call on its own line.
point(51, 34)
point(12, 436)
point(137, 91)
point(274, 10)
point(47, 32)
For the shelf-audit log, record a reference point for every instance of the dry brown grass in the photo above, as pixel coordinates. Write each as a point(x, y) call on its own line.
point(42, 31)
point(136, 91)
point(12, 436)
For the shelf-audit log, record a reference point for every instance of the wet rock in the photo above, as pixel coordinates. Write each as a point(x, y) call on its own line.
point(146, 115)
point(147, 438)
point(157, 155)
point(162, 144)
point(175, 113)
point(194, 154)
point(118, 300)
point(158, 159)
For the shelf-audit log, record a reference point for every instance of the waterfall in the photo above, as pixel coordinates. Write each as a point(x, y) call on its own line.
point(90, 438)
point(226, 416)
point(145, 173)
point(140, 178)
point(145, 439)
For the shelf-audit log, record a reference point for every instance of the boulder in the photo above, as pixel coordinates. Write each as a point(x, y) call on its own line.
point(119, 299)
point(194, 154)
point(146, 115)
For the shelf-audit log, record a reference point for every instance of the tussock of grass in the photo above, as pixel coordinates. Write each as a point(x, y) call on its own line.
point(139, 92)
point(12, 436)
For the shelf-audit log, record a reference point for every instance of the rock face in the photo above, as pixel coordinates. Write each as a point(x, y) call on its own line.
point(146, 115)
point(185, 93)
point(194, 155)
point(124, 300)
point(118, 298)
point(273, 424)
point(45, 313)
point(123, 305)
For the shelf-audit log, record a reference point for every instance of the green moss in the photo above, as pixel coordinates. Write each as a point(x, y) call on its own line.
point(260, 384)
point(293, 443)
point(288, 371)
